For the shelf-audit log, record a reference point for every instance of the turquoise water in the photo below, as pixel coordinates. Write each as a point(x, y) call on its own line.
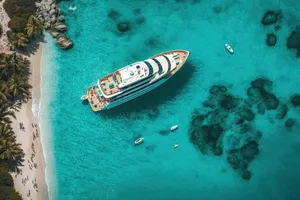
point(92, 154)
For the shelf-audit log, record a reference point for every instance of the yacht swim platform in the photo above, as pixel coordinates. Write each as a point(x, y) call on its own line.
point(132, 77)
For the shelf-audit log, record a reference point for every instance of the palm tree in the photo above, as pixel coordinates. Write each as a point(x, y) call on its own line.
point(10, 150)
point(6, 131)
point(18, 87)
point(5, 112)
point(18, 40)
point(12, 63)
point(4, 69)
point(34, 26)
point(4, 93)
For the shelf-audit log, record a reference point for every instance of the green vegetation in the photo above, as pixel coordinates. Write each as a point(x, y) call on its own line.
point(33, 27)
point(14, 86)
point(19, 8)
point(14, 90)
point(23, 23)
point(9, 193)
point(6, 179)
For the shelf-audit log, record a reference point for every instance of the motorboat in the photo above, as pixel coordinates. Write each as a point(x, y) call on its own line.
point(139, 141)
point(175, 146)
point(173, 128)
point(228, 47)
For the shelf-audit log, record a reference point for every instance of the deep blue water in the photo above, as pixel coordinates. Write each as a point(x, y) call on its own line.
point(93, 155)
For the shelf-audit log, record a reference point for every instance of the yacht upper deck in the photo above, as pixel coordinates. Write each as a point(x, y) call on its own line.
point(133, 73)
point(157, 66)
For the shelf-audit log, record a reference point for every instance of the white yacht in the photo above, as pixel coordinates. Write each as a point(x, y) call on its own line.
point(135, 80)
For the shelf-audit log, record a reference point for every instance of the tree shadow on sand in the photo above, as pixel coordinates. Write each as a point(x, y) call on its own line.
point(13, 165)
point(152, 100)
point(32, 46)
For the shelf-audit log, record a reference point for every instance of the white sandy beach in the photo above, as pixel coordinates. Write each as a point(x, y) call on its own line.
point(32, 178)
point(30, 183)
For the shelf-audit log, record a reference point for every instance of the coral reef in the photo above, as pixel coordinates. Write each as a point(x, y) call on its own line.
point(226, 124)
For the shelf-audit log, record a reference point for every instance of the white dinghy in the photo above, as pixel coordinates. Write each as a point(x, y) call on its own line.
point(173, 128)
point(84, 97)
point(175, 146)
point(139, 141)
point(228, 47)
point(72, 8)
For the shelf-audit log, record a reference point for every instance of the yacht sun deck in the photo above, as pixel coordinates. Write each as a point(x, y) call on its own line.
point(133, 73)
point(110, 84)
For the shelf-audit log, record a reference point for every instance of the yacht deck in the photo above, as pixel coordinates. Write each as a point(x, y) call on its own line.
point(109, 84)
point(96, 101)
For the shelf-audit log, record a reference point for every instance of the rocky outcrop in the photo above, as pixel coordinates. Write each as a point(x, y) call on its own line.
point(54, 34)
point(60, 27)
point(64, 42)
point(49, 15)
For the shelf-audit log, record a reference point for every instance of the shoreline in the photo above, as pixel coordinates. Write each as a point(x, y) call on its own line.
point(33, 169)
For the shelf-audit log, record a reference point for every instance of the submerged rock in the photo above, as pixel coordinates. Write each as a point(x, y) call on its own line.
point(123, 27)
point(270, 17)
point(290, 122)
point(233, 161)
point(271, 39)
point(140, 20)
point(217, 89)
point(246, 175)
point(229, 102)
point(262, 83)
point(206, 138)
point(246, 114)
point(249, 151)
point(296, 100)
point(260, 108)
point(277, 27)
point(270, 100)
point(293, 42)
point(282, 111)
point(113, 14)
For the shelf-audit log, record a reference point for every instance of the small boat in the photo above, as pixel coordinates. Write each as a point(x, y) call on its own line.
point(84, 97)
point(175, 146)
point(72, 8)
point(139, 141)
point(173, 128)
point(229, 48)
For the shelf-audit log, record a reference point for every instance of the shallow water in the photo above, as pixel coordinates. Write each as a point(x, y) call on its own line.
point(93, 156)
